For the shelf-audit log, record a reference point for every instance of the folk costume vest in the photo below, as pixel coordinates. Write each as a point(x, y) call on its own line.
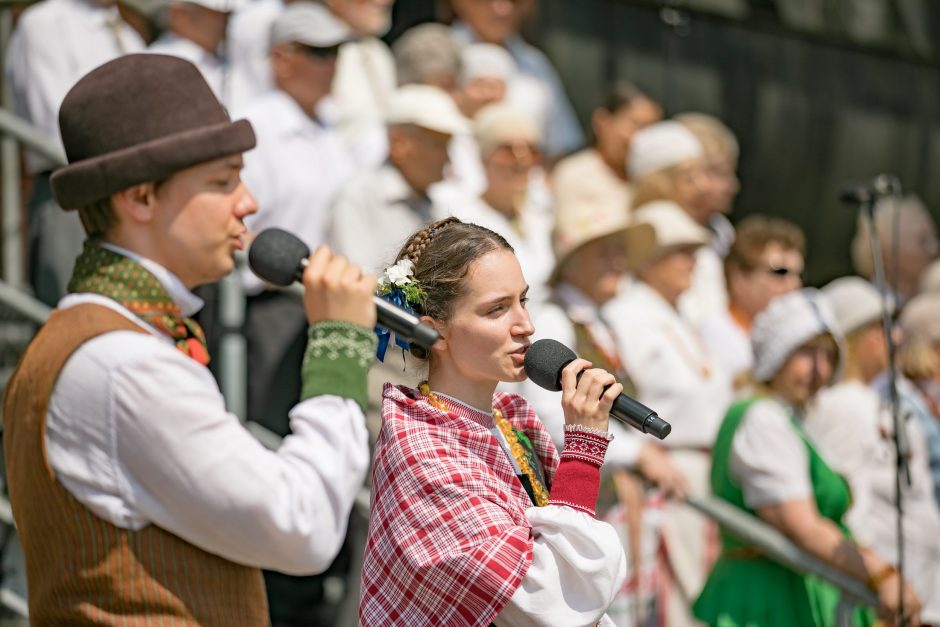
point(746, 588)
point(82, 570)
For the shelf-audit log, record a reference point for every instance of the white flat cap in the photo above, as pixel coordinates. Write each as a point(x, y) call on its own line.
point(427, 107)
point(790, 321)
point(854, 301)
point(309, 23)
point(481, 60)
point(660, 146)
point(222, 6)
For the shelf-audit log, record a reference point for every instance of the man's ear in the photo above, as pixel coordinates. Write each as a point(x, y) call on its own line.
point(137, 203)
point(281, 65)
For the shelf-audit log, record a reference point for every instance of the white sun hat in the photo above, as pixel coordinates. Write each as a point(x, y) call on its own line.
point(428, 107)
point(790, 321)
point(660, 146)
point(308, 23)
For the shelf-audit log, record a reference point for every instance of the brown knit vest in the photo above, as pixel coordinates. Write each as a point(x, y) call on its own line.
point(80, 569)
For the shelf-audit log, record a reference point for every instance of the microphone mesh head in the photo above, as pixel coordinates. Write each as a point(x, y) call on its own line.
point(544, 362)
point(276, 255)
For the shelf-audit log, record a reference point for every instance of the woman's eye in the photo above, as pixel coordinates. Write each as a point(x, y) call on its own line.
point(524, 300)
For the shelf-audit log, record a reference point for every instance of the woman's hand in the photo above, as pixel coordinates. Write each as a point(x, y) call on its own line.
point(890, 604)
point(583, 399)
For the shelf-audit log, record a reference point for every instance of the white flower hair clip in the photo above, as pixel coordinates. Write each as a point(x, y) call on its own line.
point(399, 285)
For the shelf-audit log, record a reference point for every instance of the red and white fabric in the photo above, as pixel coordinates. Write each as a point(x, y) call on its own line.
point(453, 536)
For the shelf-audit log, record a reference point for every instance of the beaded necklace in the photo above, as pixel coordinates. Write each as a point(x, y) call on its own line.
point(505, 427)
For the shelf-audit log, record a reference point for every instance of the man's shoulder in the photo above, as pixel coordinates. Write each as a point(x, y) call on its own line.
point(39, 18)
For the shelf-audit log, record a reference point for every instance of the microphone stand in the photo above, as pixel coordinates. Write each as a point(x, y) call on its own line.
point(867, 204)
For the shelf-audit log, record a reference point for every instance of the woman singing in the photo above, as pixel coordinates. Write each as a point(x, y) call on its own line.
point(474, 518)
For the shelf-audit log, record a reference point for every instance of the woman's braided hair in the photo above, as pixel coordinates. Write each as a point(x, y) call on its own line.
point(442, 254)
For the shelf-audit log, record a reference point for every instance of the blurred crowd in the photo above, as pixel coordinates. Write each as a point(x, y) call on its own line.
point(625, 234)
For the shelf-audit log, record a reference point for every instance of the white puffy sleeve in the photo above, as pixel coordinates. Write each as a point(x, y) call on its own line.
point(578, 566)
point(768, 458)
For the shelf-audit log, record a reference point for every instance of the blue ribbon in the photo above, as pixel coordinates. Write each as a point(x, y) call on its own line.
point(396, 297)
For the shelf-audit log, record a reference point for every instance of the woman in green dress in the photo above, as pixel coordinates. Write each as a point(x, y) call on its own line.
point(764, 463)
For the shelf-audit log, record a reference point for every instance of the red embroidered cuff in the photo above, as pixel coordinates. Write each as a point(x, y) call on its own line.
point(587, 445)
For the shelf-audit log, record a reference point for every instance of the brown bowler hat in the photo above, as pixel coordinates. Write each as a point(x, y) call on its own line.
point(139, 118)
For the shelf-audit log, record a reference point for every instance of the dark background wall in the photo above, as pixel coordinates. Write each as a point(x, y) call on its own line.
point(812, 110)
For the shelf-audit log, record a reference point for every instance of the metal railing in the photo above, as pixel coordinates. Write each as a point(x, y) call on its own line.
point(779, 548)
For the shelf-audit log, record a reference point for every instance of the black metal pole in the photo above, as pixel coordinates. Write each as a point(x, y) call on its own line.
point(900, 448)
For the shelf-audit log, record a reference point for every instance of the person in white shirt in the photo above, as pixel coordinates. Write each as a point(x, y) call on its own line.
point(196, 31)
point(766, 465)
point(535, 88)
point(602, 168)
point(54, 44)
point(509, 148)
point(710, 208)
point(365, 72)
point(378, 209)
point(127, 475)
point(249, 47)
point(765, 261)
point(672, 374)
point(853, 430)
point(907, 235)
point(485, 72)
point(295, 171)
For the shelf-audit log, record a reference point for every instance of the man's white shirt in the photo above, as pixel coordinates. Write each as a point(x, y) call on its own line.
point(138, 433)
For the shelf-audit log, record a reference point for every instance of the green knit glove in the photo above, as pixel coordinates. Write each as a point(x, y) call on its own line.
point(337, 361)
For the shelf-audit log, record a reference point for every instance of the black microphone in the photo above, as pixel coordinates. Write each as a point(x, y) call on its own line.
point(881, 185)
point(280, 257)
point(544, 362)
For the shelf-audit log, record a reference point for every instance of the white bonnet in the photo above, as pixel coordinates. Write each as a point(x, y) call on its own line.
point(789, 321)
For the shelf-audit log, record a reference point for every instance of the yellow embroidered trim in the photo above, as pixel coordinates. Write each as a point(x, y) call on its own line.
point(518, 453)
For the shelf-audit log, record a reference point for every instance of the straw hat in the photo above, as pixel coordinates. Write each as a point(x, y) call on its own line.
point(165, 119)
point(582, 220)
point(499, 123)
point(658, 227)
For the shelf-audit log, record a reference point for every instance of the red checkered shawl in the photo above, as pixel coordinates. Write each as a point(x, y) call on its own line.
point(449, 541)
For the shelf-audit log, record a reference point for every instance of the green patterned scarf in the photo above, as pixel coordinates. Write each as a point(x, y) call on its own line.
point(102, 271)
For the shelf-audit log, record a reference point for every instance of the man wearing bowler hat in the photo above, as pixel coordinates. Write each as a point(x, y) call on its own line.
point(136, 495)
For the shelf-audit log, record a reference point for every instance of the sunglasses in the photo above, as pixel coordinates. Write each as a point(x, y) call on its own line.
point(783, 271)
point(318, 52)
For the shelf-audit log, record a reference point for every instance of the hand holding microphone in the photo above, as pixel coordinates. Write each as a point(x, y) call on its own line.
point(335, 289)
point(587, 394)
point(545, 364)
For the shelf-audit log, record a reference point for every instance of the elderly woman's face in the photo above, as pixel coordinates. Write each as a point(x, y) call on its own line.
point(807, 370)
point(597, 268)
